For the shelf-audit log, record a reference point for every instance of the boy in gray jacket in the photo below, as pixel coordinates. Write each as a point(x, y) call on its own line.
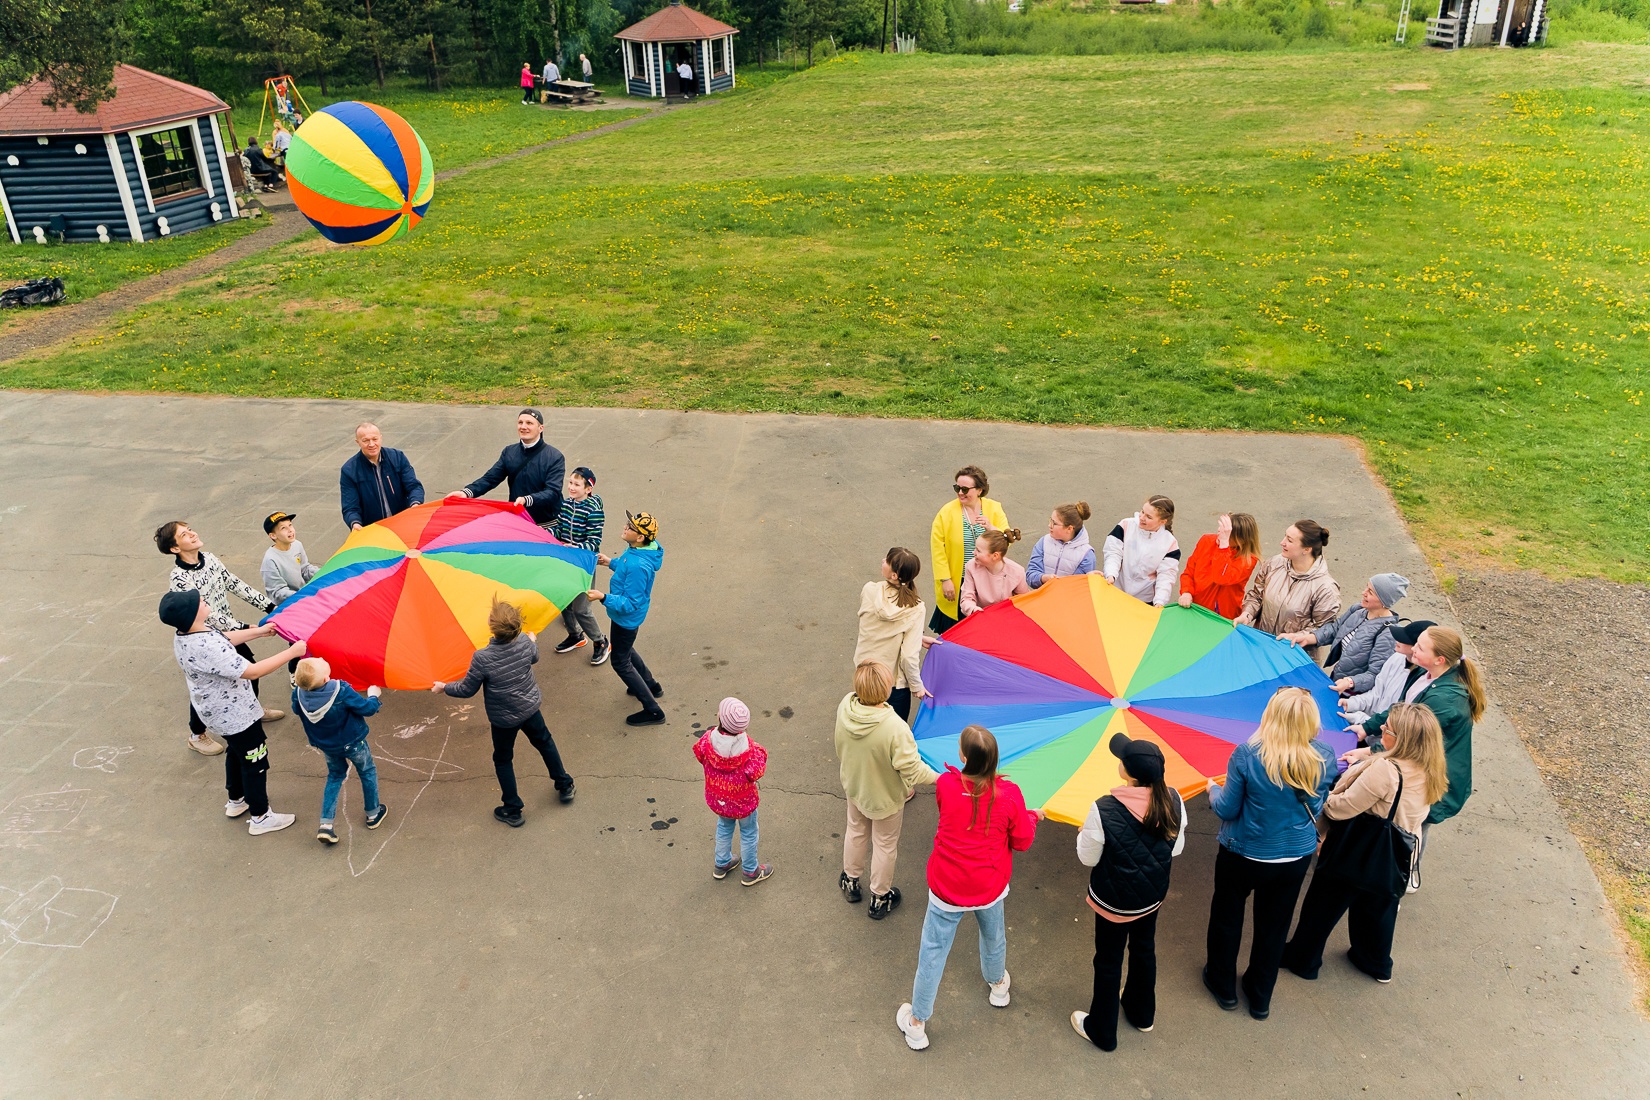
point(504, 667)
point(286, 568)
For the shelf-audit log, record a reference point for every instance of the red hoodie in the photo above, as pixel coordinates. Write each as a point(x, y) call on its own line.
point(972, 858)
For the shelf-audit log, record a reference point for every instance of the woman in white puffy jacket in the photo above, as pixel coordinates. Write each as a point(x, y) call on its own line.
point(1142, 557)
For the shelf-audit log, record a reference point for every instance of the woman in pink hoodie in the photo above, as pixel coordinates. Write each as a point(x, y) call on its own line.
point(992, 576)
point(983, 822)
point(733, 763)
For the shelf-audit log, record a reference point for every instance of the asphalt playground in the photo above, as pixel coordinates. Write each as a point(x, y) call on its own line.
point(151, 948)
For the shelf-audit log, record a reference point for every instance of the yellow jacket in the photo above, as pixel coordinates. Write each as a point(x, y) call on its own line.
point(946, 542)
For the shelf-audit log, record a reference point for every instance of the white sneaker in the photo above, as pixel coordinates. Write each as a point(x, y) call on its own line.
point(205, 745)
point(271, 822)
point(916, 1035)
point(999, 992)
point(273, 715)
point(234, 807)
point(1078, 1019)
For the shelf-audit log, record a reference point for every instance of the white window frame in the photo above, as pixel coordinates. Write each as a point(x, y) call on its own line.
point(223, 167)
point(134, 228)
point(200, 156)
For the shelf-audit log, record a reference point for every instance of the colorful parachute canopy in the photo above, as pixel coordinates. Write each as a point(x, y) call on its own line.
point(1056, 672)
point(404, 602)
point(359, 173)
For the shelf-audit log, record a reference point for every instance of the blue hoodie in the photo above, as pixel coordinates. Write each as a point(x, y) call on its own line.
point(334, 715)
point(631, 590)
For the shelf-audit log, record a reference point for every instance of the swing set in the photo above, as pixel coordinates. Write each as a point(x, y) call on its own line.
point(279, 93)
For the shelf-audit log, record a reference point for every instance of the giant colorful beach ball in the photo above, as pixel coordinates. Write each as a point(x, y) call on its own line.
point(359, 173)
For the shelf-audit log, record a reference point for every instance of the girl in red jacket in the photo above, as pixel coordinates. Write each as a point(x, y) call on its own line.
point(1218, 570)
point(733, 763)
point(983, 821)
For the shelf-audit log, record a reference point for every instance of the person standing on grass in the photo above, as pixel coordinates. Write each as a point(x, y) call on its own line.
point(551, 73)
point(1219, 568)
point(194, 568)
point(526, 83)
point(1142, 557)
point(1390, 681)
point(1450, 685)
point(377, 481)
point(584, 65)
point(1293, 591)
point(504, 668)
point(733, 763)
point(880, 769)
point(983, 821)
point(1276, 783)
point(890, 627)
point(334, 716)
point(628, 598)
point(1361, 639)
point(1065, 550)
point(992, 576)
point(1129, 839)
point(535, 470)
point(220, 683)
point(951, 540)
point(1412, 774)
point(580, 524)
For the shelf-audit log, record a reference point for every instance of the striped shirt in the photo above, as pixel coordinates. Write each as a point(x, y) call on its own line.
point(580, 522)
point(972, 531)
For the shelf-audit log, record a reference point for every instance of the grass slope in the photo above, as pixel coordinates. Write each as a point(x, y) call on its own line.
point(1441, 253)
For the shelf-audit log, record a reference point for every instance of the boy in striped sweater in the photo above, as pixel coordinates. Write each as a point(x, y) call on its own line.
point(580, 524)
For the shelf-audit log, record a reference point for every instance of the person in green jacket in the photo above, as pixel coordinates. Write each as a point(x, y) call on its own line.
point(880, 771)
point(1449, 683)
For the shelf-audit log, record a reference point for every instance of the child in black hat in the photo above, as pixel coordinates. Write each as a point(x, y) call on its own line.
point(1130, 837)
point(286, 568)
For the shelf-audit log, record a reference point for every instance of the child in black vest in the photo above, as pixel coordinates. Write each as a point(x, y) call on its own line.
point(1129, 839)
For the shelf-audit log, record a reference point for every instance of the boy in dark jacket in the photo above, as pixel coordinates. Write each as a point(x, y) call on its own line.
point(504, 666)
point(629, 596)
point(335, 716)
point(535, 471)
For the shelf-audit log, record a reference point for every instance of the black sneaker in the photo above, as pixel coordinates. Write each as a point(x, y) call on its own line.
point(510, 817)
point(567, 795)
point(883, 904)
point(657, 690)
point(377, 819)
point(849, 888)
point(645, 718)
point(604, 650)
point(326, 834)
point(1225, 1002)
point(572, 642)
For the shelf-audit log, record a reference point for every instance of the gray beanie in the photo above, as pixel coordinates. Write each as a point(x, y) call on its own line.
point(1389, 588)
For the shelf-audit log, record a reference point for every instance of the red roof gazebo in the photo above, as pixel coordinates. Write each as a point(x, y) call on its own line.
point(655, 47)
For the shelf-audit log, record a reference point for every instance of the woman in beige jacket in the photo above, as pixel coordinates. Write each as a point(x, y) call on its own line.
point(1293, 591)
point(1412, 771)
point(890, 627)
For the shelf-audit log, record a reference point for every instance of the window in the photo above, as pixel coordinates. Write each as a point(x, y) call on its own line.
point(638, 61)
point(169, 162)
point(719, 52)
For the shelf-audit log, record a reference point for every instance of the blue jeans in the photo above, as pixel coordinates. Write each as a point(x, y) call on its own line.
point(338, 764)
point(747, 841)
point(939, 928)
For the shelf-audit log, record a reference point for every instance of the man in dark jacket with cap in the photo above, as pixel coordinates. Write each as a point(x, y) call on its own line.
point(536, 471)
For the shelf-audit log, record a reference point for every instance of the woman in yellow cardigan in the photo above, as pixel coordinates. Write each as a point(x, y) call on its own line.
point(952, 540)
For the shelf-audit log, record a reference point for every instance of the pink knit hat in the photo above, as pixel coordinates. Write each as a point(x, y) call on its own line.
point(732, 716)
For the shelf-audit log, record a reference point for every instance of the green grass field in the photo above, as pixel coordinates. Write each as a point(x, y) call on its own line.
point(1443, 254)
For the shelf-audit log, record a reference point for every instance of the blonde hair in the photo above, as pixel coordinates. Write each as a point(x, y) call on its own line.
point(997, 542)
point(1245, 534)
point(504, 621)
point(873, 683)
point(312, 672)
point(1447, 644)
point(1284, 740)
point(1417, 737)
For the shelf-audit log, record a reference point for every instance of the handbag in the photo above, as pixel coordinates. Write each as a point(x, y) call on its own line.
point(1370, 853)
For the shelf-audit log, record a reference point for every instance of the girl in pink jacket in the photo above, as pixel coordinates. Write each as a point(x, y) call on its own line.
point(992, 576)
point(733, 763)
point(983, 822)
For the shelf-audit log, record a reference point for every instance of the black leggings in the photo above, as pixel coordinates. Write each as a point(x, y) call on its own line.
point(1370, 920)
point(1276, 887)
point(1139, 996)
point(631, 668)
point(504, 753)
point(196, 726)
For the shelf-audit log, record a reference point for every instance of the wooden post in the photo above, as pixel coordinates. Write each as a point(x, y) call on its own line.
point(882, 45)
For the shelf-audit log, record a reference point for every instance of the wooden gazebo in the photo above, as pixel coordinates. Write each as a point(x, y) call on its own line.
point(655, 47)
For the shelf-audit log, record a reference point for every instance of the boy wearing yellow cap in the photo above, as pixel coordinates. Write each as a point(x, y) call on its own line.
point(630, 593)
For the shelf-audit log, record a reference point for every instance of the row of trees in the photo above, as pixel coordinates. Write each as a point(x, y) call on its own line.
point(230, 46)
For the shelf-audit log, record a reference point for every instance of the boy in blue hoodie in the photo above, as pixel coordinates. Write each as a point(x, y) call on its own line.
point(335, 721)
point(631, 590)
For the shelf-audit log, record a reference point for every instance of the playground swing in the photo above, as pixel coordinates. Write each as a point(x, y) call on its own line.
point(279, 94)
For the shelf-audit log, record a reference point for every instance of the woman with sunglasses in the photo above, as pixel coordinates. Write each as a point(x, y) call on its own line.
point(968, 516)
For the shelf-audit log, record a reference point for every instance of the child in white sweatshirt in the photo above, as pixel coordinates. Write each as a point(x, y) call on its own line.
point(1142, 557)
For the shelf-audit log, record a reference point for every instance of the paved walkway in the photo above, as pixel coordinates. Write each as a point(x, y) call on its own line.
point(31, 332)
point(148, 947)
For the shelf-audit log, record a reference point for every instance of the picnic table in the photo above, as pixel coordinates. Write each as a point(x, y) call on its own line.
point(570, 93)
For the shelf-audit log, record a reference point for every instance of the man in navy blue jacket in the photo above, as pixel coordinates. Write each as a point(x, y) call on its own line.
point(377, 482)
point(536, 471)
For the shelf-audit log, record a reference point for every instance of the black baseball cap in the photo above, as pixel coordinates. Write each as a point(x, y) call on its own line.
point(1410, 633)
point(1141, 759)
point(275, 519)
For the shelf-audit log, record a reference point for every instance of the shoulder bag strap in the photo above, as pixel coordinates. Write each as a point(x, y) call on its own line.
point(1392, 813)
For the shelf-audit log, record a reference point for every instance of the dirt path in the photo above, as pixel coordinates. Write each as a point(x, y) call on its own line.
point(60, 323)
